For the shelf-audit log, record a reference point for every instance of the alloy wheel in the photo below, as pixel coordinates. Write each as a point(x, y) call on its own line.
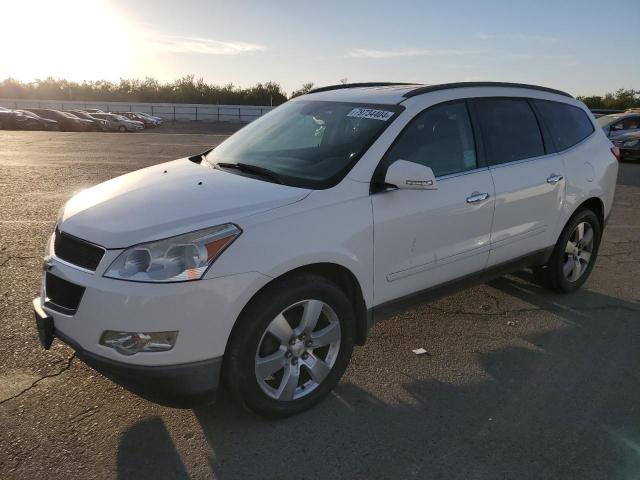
point(298, 350)
point(578, 251)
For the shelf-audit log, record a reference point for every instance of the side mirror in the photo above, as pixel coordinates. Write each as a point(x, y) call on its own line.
point(410, 176)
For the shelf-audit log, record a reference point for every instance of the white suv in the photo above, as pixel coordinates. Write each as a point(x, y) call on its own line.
point(263, 261)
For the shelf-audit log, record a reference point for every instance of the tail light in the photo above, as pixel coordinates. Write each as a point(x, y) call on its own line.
point(616, 152)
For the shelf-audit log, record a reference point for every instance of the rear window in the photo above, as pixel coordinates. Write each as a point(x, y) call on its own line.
point(568, 124)
point(509, 129)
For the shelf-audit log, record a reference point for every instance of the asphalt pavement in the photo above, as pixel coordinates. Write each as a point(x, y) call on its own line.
point(516, 383)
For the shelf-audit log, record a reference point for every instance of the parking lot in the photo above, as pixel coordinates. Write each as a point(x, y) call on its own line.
point(516, 382)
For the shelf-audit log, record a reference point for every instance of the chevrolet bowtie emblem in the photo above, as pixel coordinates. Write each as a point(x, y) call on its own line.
point(47, 265)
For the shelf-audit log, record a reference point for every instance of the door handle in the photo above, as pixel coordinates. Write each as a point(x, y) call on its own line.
point(553, 179)
point(477, 197)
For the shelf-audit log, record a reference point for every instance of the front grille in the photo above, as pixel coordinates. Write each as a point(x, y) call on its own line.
point(77, 252)
point(62, 295)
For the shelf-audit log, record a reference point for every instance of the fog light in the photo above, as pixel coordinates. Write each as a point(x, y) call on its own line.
point(129, 343)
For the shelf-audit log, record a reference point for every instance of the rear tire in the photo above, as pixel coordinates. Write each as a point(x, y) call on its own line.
point(122, 128)
point(290, 346)
point(574, 255)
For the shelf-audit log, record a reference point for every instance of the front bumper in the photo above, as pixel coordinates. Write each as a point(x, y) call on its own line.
point(203, 312)
point(181, 386)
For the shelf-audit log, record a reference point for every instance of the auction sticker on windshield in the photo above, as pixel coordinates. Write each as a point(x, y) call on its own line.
point(371, 113)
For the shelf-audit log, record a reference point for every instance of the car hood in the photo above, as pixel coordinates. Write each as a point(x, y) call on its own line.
point(166, 200)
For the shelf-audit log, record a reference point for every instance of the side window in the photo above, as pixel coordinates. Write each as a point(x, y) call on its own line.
point(617, 125)
point(568, 124)
point(509, 129)
point(631, 123)
point(440, 138)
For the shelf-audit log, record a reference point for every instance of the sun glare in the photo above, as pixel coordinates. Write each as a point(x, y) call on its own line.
point(72, 39)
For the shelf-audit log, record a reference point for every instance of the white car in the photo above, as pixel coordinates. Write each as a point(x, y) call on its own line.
point(118, 122)
point(263, 261)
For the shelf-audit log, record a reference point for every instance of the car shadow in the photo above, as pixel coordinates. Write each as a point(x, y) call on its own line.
point(147, 451)
point(560, 403)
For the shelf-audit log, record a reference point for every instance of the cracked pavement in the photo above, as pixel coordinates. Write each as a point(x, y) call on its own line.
point(518, 382)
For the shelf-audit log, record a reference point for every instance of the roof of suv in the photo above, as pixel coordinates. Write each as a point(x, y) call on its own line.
point(395, 93)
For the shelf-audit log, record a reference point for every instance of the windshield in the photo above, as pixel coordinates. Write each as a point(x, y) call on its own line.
point(607, 119)
point(307, 143)
point(70, 115)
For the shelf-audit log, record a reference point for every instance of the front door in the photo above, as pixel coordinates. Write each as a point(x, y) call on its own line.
point(423, 238)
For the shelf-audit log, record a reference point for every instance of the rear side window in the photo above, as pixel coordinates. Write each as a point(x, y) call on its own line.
point(631, 123)
point(568, 124)
point(510, 130)
point(440, 138)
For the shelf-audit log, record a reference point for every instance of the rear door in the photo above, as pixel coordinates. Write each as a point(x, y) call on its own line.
point(423, 238)
point(527, 175)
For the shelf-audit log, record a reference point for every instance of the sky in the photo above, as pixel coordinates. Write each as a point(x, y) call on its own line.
point(584, 47)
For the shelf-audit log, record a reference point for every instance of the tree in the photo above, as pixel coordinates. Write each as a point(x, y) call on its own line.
point(621, 99)
point(306, 87)
point(186, 89)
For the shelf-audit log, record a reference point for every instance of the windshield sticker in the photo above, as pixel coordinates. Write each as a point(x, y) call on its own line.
point(370, 113)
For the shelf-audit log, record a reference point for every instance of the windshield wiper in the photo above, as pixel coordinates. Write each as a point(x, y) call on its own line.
point(253, 169)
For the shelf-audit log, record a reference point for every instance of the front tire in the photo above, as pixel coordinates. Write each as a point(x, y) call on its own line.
point(291, 346)
point(574, 255)
point(122, 128)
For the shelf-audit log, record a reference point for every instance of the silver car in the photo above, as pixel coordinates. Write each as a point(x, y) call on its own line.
point(119, 123)
point(620, 123)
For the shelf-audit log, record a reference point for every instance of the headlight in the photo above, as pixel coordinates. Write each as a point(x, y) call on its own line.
point(176, 259)
point(631, 143)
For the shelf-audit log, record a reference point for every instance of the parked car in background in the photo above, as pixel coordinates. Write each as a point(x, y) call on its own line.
point(36, 122)
point(158, 120)
point(263, 261)
point(93, 110)
point(620, 123)
point(629, 145)
point(12, 120)
point(600, 112)
point(119, 123)
point(6, 118)
point(67, 121)
point(101, 125)
point(148, 122)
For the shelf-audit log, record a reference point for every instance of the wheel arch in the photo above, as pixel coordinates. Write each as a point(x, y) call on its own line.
point(593, 203)
point(338, 274)
point(596, 205)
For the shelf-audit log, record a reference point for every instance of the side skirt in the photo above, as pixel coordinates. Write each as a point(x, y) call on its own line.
point(388, 309)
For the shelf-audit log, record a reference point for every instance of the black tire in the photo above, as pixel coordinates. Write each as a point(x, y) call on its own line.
point(239, 370)
point(122, 128)
point(551, 275)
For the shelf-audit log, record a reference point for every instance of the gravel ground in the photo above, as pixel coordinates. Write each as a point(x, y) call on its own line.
point(517, 382)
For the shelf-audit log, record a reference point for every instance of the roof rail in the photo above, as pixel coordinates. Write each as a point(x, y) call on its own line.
point(447, 86)
point(355, 85)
